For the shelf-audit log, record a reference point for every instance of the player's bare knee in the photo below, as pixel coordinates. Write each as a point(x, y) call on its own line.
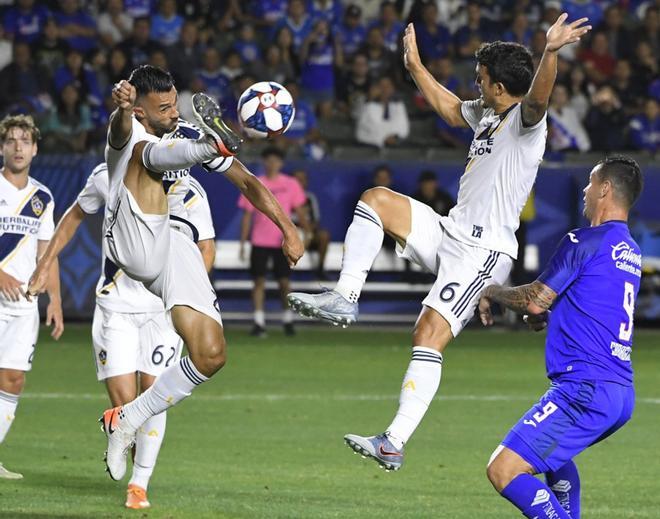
point(211, 356)
point(13, 382)
point(376, 198)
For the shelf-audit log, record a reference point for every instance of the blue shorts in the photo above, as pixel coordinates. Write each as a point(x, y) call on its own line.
point(571, 416)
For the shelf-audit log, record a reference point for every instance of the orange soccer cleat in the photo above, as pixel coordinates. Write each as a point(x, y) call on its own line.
point(136, 498)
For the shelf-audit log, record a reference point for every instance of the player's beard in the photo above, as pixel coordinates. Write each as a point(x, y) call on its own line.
point(162, 129)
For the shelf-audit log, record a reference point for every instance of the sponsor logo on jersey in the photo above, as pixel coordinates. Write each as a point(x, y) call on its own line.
point(37, 205)
point(19, 224)
point(620, 351)
point(626, 259)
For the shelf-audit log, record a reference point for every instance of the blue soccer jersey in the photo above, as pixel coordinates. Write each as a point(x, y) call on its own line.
point(596, 273)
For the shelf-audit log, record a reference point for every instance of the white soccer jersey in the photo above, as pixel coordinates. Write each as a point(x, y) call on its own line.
point(502, 163)
point(26, 217)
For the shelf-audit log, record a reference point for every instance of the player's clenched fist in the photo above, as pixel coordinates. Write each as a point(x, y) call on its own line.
point(293, 248)
point(411, 57)
point(124, 94)
point(38, 281)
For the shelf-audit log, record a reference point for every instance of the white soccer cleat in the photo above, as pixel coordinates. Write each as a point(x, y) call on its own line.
point(8, 474)
point(119, 443)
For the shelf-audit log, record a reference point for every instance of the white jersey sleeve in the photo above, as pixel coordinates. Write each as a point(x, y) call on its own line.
point(199, 212)
point(95, 193)
point(472, 112)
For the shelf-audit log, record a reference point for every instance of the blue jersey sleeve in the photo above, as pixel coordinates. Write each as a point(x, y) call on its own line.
point(573, 251)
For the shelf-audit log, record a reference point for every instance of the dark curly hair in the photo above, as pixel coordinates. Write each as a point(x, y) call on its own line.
point(625, 176)
point(147, 79)
point(508, 63)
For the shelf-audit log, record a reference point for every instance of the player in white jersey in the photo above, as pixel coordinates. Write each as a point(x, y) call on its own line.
point(475, 245)
point(132, 336)
point(26, 226)
point(155, 248)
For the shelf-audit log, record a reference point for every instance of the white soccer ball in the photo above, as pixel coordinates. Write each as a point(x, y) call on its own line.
point(265, 109)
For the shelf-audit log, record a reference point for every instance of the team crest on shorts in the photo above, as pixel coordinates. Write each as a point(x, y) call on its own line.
point(37, 205)
point(103, 357)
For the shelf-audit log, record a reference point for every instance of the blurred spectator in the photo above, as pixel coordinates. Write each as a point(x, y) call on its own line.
point(268, 12)
point(606, 121)
point(246, 44)
point(472, 34)
point(68, 124)
point(645, 128)
point(566, 131)
point(303, 132)
point(583, 9)
point(390, 26)
point(118, 67)
point(6, 49)
point(328, 10)
point(214, 82)
point(166, 24)
point(139, 8)
point(597, 60)
point(619, 40)
point(430, 193)
point(433, 39)
point(284, 40)
point(114, 24)
point(274, 67)
point(139, 46)
point(519, 31)
point(629, 92)
point(232, 65)
point(383, 120)
point(186, 56)
point(20, 81)
point(266, 238)
point(381, 60)
point(81, 75)
point(645, 63)
point(353, 89)
point(537, 44)
point(211, 15)
point(26, 21)
point(578, 92)
point(49, 50)
point(319, 55)
point(77, 28)
point(351, 31)
point(650, 29)
point(298, 22)
point(158, 58)
point(319, 238)
point(442, 71)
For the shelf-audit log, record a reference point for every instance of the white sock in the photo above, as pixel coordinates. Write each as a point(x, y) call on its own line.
point(174, 154)
point(147, 445)
point(363, 241)
point(419, 387)
point(260, 318)
point(8, 403)
point(173, 385)
point(287, 316)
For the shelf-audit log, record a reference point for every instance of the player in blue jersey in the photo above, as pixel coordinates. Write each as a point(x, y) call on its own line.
point(591, 284)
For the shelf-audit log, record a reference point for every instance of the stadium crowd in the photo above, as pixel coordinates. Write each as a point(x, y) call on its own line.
point(340, 60)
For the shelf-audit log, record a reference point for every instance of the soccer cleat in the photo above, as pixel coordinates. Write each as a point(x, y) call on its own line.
point(119, 443)
point(136, 498)
point(377, 447)
point(8, 474)
point(329, 305)
point(258, 331)
point(209, 116)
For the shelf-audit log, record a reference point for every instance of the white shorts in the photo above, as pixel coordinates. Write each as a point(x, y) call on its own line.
point(462, 270)
point(138, 243)
point(127, 343)
point(184, 280)
point(18, 338)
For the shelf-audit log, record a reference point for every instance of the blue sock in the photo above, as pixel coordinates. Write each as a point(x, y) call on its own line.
point(565, 484)
point(533, 498)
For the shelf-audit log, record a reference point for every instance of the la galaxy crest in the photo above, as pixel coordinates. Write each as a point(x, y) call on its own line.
point(103, 357)
point(37, 205)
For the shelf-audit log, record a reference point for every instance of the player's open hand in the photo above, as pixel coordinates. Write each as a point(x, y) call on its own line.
point(10, 287)
point(561, 33)
point(293, 248)
point(485, 313)
point(38, 282)
point(124, 95)
point(537, 322)
point(411, 57)
point(55, 319)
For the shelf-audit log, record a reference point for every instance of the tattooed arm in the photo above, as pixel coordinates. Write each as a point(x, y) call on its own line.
point(534, 299)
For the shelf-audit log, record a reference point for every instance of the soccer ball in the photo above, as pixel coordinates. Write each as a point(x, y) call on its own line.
point(265, 109)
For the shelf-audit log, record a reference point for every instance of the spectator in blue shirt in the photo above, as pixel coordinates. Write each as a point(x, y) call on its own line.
point(26, 21)
point(351, 32)
point(645, 128)
point(20, 83)
point(77, 28)
point(216, 84)
point(577, 9)
point(246, 44)
point(471, 35)
point(303, 132)
point(433, 40)
point(139, 46)
point(166, 24)
point(328, 10)
point(298, 22)
point(519, 31)
point(390, 25)
point(267, 12)
point(139, 8)
point(75, 72)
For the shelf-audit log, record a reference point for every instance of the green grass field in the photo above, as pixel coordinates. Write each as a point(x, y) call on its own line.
point(264, 437)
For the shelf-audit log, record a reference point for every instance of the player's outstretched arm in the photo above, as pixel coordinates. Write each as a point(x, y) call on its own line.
point(54, 314)
point(535, 103)
point(534, 299)
point(47, 264)
point(443, 101)
point(261, 198)
point(123, 95)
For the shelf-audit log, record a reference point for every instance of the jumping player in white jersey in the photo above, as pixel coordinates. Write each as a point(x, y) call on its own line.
point(26, 226)
point(156, 249)
point(132, 336)
point(472, 247)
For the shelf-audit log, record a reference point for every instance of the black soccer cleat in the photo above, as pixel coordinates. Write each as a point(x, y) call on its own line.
point(209, 117)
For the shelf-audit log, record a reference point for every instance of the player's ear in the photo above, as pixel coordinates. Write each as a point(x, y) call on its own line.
point(605, 187)
point(499, 89)
point(139, 112)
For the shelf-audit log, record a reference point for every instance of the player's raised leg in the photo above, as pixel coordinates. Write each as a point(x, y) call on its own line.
point(379, 211)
